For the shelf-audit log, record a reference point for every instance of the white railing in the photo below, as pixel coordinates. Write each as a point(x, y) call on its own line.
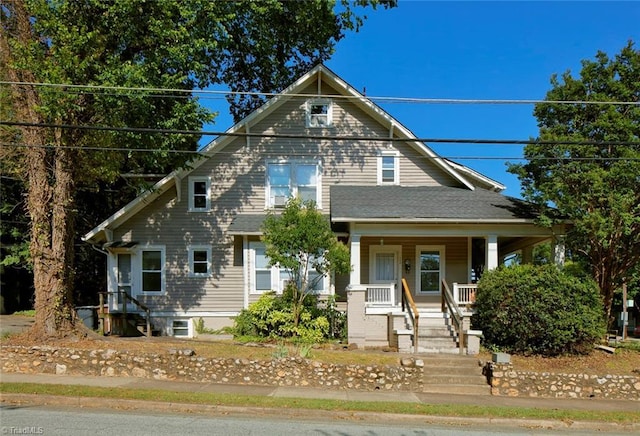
point(381, 294)
point(464, 294)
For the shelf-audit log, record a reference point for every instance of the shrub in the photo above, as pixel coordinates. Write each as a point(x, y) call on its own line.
point(272, 317)
point(538, 310)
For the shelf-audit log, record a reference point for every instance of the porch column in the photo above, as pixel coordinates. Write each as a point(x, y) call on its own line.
point(492, 252)
point(559, 250)
point(354, 278)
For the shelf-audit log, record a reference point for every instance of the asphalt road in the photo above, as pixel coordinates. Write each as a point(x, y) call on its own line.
point(55, 420)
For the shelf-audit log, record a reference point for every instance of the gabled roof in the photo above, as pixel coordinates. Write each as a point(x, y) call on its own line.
point(427, 204)
point(320, 72)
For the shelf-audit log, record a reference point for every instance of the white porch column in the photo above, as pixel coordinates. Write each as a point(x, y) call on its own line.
point(354, 278)
point(559, 250)
point(492, 252)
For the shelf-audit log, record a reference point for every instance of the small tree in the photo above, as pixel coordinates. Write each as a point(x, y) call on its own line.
point(300, 241)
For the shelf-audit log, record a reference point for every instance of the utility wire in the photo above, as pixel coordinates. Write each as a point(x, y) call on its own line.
point(205, 92)
point(298, 154)
point(316, 137)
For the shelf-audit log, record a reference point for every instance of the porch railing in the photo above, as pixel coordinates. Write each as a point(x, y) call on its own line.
point(458, 321)
point(381, 294)
point(123, 310)
point(410, 307)
point(464, 294)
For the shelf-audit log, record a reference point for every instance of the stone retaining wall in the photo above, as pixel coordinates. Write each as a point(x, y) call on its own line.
point(505, 381)
point(185, 365)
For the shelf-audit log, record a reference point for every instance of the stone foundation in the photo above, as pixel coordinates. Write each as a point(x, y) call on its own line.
point(184, 365)
point(505, 381)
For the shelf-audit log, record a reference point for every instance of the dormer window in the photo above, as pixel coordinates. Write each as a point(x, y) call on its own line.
point(388, 168)
point(319, 113)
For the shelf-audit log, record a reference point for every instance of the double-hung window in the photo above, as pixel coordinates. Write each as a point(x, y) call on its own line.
point(199, 261)
point(290, 179)
point(388, 167)
point(153, 261)
point(199, 194)
point(319, 113)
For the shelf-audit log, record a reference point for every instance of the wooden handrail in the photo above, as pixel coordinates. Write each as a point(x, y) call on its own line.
point(407, 300)
point(134, 301)
point(449, 305)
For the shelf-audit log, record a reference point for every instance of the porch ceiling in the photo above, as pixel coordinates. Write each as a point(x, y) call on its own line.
point(427, 204)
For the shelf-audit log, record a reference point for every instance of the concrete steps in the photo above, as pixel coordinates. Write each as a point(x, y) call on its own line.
point(435, 334)
point(453, 374)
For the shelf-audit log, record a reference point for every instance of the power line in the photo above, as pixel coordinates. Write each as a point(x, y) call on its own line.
point(389, 99)
point(316, 137)
point(298, 154)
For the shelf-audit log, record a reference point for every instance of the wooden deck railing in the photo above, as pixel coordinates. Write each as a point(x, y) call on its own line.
point(450, 306)
point(123, 310)
point(410, 306)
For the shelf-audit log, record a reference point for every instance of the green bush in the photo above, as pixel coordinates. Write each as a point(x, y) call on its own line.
point(272, 317)
point(538, 310)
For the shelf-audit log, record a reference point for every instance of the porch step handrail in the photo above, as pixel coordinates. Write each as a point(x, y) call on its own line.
point(450, 306)
point(410, 306)
point(140, 305)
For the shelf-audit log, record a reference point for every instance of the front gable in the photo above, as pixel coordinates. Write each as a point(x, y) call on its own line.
point(320, 121)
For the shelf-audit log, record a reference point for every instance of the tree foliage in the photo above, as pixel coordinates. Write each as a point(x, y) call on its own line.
point(538, 310)
point(594, 185)
point(132, 46)
point(300, 241)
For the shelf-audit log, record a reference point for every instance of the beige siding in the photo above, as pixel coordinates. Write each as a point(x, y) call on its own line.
point(237, 174)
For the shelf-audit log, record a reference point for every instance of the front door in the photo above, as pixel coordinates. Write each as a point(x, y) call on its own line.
point(385, 269)
point(124, 278)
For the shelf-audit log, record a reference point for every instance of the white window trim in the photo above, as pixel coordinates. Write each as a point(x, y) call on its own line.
point(191, 249)
point(292, 183)
point(396, 167)
point(319, 101)
point(163, 271)
point(193, 180)
point(190, 329)
point(441, 250)
point(277, 284)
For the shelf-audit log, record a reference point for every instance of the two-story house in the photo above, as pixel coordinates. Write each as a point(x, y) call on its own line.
point(190, 247)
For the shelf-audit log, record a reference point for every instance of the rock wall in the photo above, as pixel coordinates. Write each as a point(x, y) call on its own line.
point(505, 381)
point(186, 366)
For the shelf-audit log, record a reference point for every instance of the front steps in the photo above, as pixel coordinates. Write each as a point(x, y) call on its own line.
point(450, 374)
point(435, 334)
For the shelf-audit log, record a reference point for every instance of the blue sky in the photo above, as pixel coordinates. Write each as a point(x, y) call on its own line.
point(477, 50)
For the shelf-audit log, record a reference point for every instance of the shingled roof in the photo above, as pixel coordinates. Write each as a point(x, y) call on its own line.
point(426, 203)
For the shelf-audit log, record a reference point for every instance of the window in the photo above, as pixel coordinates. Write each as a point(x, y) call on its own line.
point(272, 278)
point(388, 168)
point(430, 268)
point(288, 179)
point(319, 113)
point(199, 261)
point(153, 270)
point(199, 194)
point(181, 328)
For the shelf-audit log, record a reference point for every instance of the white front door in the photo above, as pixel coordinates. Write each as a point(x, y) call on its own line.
point(124, 277)
point(384, 268)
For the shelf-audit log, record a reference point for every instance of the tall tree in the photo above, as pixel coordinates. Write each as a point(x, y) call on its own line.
point(132, 46)
point(595, 185)
point(300, 241)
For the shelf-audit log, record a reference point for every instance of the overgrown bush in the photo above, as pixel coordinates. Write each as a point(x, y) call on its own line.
point(538, 310)
point(272, 317)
